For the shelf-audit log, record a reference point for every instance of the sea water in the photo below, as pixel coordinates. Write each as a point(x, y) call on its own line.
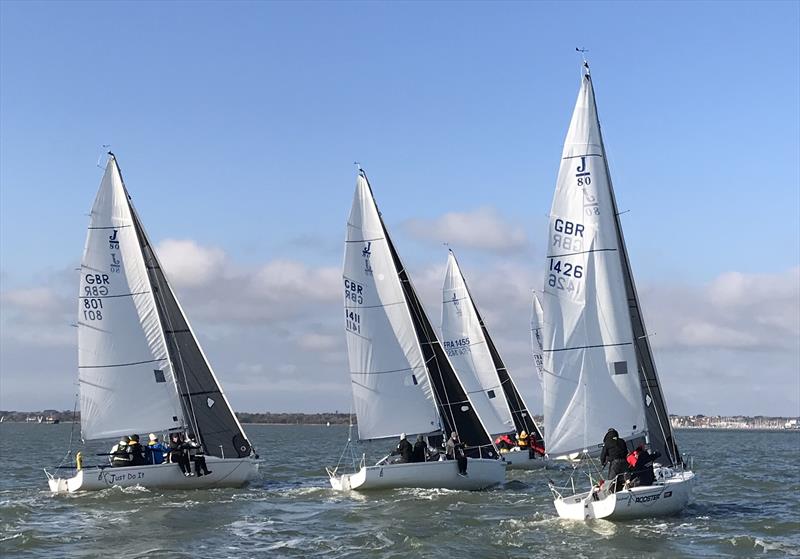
point(746, 504)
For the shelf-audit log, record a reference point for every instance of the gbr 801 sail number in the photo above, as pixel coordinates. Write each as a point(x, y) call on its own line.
point(95, 289)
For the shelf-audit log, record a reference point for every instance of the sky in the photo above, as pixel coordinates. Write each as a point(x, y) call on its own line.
point(236, 126)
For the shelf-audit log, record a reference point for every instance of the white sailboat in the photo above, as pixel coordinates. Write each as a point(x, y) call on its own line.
point(401, 377)
point(598, 365)
point(141, 368)
point(481, 370)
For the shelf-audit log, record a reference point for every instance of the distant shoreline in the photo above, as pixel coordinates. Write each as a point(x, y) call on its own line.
point(284, 424)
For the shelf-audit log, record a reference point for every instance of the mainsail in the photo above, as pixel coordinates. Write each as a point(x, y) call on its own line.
point(590, 362)
point(397, 365)
point(466, 346)
point(205, 409)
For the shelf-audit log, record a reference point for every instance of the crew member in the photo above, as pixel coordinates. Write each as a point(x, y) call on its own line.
point(404, 450)
point(614, 453)
point(454, 449)
point(420, 452)
point(642, 473)
point(155, 450)
point(119, 455)
point(136, 451)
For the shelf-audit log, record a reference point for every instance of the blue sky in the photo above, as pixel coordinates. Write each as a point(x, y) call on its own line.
point(236, 125)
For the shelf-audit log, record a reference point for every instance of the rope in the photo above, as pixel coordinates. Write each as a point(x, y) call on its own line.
point(71, 433)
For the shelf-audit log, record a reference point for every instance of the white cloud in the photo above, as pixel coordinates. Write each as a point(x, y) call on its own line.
point(319, 342)
point(483, 229)
point(35, 299)
point(38, 317)
point(737, 311)
point(188, 264)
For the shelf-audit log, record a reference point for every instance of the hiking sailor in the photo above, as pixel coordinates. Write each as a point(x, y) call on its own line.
point(454, 449)
point(404, 450)
point(119, 455)
point(136, 452)
point(155, 450)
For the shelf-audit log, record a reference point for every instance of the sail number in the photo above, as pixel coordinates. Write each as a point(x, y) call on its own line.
point(565, 268)
point(93, 309)
point(568, 235)
point(352, 321)
point(96, 288)
point(454, 348)
point(563, 274)
point(353, 291)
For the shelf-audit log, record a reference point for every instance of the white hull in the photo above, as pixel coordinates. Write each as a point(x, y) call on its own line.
point(522, 461)
point(664, 498)
point(482, 473)
point(230, 472)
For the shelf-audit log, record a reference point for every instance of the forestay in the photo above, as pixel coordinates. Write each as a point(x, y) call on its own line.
point(391, 389)
point(126, 380)
point(466, 346)
point(590, 381)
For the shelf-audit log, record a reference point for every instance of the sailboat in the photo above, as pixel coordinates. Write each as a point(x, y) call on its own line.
point(599, 370)
point(140, 366)
point(481, 369)
point(402, 379)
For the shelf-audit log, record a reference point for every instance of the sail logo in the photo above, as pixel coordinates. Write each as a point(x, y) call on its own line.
point(456, 304)
point(366, 253)
point(113, 243)
point(583, 178)
point(115, 264)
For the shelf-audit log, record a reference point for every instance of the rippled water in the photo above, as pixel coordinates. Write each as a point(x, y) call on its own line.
point(747, 504)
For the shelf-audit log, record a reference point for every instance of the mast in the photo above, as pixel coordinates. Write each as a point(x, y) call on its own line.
point(205, 405)
point(456, 411)
point(659, 426)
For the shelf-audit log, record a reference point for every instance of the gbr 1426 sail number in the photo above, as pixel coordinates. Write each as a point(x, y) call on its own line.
point(563, 274)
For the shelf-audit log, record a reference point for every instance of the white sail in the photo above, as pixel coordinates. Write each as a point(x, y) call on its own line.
point(391, 389)
point(465, 344)
point(592, 380)
point(537, 323)
point(126, 380)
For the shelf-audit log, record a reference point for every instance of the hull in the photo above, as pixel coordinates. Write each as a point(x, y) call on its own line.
point(665, 498)
point(522, 461)
point(482, 473)
point(231, 472)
